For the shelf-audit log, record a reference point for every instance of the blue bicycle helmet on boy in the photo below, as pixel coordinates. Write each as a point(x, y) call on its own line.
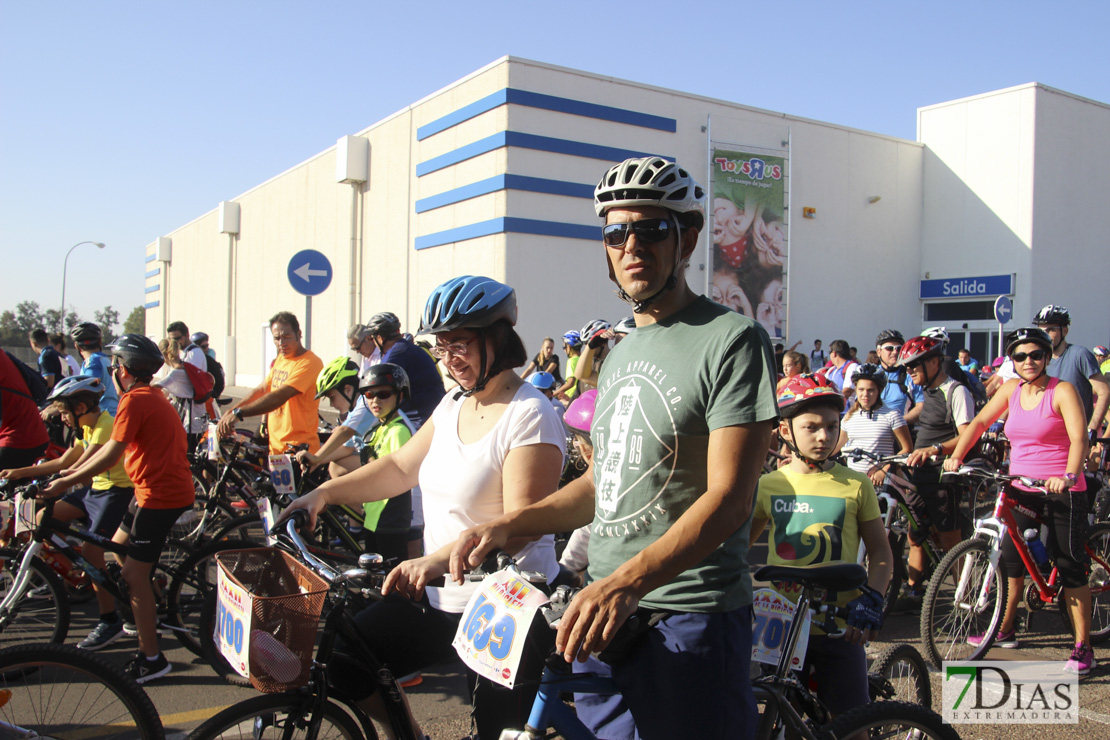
point(468, 302)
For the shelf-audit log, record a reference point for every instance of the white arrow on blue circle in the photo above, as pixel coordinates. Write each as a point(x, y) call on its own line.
point(304, 273)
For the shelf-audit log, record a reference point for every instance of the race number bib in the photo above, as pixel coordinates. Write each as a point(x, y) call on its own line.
point(24, 513)
point(213, 441)
point(233, 619)
point(281, 474)
point(773, 614)
point(494, 627)
point(267, 514)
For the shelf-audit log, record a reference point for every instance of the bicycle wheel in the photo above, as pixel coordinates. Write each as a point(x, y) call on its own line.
point(902, 669)
point(1098, 547)
point(965, 599)
point(243, 527)
point(62, 691)
point(42, 613)
point(890, 719)
point(192, 580)
point(280, 716)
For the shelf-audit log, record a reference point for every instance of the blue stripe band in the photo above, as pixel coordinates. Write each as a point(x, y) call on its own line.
point(509, 224)
point(529, 141)
point(152, 304)
point(152, 289)
point(151, 257)
point(546, 102)
point(156, 271)
point(505, 182)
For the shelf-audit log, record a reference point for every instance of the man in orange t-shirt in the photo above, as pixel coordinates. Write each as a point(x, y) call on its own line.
point(149, 431)
point(288, 394)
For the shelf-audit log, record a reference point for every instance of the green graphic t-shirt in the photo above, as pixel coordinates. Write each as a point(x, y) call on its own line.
point(814, 519)
point(661, 391)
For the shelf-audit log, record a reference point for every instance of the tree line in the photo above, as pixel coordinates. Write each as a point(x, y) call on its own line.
point(28, 316)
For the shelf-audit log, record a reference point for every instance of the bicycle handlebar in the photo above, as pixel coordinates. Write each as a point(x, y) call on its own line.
point(859, 453)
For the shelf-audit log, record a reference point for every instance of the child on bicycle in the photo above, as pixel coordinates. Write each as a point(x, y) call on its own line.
point(148, 429)
point(342, 452)
point(1046, 426)
point(871, 425)
point(103, 503)
point(819, 511)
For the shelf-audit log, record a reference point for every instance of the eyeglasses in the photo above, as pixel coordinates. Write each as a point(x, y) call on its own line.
point(458, 349)
point(1036, 355)
point(891, 347)
point(647, 230)
point(379, 395)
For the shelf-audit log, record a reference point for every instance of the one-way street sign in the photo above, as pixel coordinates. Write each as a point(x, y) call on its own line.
point(309, 272)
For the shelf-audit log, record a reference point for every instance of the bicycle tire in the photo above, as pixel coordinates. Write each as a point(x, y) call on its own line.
point(243, 527)
point(903, 668)
point(64, 691)
point(945, 625)
point(890, 719)
point(193, 579)
point(242, 720)
point(894, 588)
point(40, 617)
point(1098, 542)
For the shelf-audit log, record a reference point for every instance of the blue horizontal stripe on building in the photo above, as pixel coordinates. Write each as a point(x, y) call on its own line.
point(155, 272)
point(514, 96)
point(152, 289)
point(505, 182)
point(152, 304)
point(527, 141)
point(151, 257)
point(512, 225)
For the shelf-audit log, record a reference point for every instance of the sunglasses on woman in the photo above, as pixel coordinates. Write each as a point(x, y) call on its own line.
point(379, 395)
point(647, 230)
point(1036, 355)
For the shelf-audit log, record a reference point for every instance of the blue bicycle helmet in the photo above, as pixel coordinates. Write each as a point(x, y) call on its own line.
point(573, 339)
point(468, 302)
point(543, 381)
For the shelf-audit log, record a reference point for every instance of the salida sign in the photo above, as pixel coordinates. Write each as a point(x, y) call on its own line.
point(968, 287)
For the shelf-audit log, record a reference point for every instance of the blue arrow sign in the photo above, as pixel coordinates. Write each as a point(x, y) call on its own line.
point(1003, 309)
point(309, 272)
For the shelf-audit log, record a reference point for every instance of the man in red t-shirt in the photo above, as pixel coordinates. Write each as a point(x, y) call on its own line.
point(22, 434)
point(148, 429)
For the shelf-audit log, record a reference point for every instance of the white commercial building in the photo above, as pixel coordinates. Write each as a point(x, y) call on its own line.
point(818, 230)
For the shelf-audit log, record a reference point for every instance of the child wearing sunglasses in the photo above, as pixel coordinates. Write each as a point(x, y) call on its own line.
point(1046, 427)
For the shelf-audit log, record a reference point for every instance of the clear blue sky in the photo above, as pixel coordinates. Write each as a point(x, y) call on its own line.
point(120, 122)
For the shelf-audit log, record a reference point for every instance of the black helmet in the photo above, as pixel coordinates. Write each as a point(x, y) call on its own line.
point(1028, 334)
point(384, 324)
point(138, 354)
point(198, 337)
point(386, 373)
point(889, 335)
point(86, 335)
point(1052, 314)
point(872, 372)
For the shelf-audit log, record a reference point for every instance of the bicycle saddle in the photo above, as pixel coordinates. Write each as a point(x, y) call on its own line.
point(833, 577)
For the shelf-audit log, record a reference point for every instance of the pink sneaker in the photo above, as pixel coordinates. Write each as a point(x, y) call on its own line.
point(1082, 659)
point(1002, 639)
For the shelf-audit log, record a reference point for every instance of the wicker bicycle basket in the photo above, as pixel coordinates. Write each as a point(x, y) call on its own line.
point(287, 599)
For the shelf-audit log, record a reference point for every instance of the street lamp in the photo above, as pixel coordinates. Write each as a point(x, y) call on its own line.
point(65, 265)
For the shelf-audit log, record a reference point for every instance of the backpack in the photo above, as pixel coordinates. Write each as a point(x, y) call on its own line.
point(36, 386)
point(203, 383)
point(216, 370)
point(969, 381)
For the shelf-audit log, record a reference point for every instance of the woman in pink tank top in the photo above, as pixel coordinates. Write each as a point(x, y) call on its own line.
point(1047, 430)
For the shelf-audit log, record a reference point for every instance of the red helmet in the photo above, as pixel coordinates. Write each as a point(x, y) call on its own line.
point(919, 348)
point(803, 389)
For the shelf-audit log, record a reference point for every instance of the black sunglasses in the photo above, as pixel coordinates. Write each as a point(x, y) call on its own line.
point(1036, 355)
point(647, 230)
point(914, 365)
point(380, 395)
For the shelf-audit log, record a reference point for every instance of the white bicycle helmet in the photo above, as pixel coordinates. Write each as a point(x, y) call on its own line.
point(650, 181)
point(625, 325)
point(938, 333)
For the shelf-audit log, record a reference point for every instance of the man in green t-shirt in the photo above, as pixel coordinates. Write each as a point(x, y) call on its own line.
point(685, 410)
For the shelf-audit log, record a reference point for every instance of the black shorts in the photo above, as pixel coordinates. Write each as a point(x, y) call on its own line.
point(19, 457)
point(1065, 516)
point(934, 502)
point(104, 510)
point(148, 530)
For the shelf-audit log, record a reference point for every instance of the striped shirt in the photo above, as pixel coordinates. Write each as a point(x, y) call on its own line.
point(872, 434)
